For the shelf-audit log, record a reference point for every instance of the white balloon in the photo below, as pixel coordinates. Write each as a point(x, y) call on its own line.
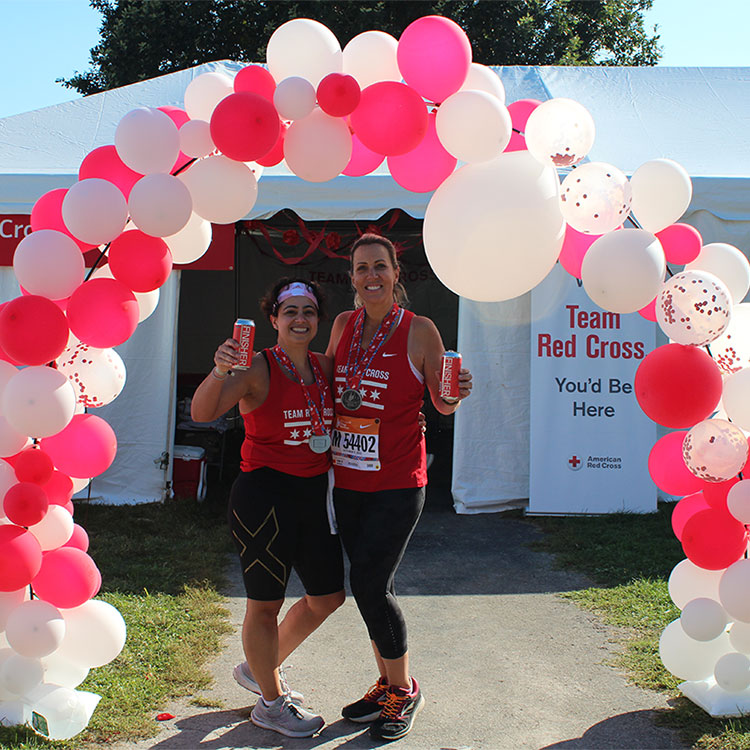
point(370, 57)
point(195, 139)
point(94, 211)
point(7, 371)
point(160, 204)
point(473, 125)
point(687, 581)
point(703, 619)
point(715, 450)
point(14, 713)
point(38, 401)
point(732, 672)
point(294, 98)
point(622, 271)
point(54, 529)
point(66, 712)
point(693, 308)
point(20, 674)
point(147, 301)
point(595, 198)
point(95, 633)
point(560, 132)
point(192, 241)
point(493, 230)
point(11, 441)
point(60, 670)
point(738, 501)
point(223, 190)
point(35, 628)
point(79, 483)
point(726, 262)
point(97, 375)
point(7, 479)
point(734, 590)
point(731, 351)
point(318, 148)
point(661, 193)
point(739, 637)
point(687, 658)
point(9, 600)
point(147, 141)
point(306, 48)
point(482, 78)
point(204, 92)
point(48, 263)
point(736, 397)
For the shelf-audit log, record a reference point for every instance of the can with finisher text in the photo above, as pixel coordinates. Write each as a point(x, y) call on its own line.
point(449, 377)
point(244, 333)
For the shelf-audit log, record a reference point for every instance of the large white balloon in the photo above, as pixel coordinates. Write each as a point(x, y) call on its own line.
point(97, 375)
point(192, 241)
point(739, 637)
point(20, 674)
point(204, 92)
point(48, 263)
point(95, 633)
point(9, 600)
point(687, 581)
point(473, 125)
point(735, 398)
point(294, 98)
point(731, 351)
point(54, 529)
point(738, 501)
point(734, 590)
point(318, 147)
point(726, 262)
point(38, 401)
point(306, 48)
point(661, 193)
point(223, 190)
point(94, 211)
point(35, 628)
point(370, 57)
point(482, 78)
point(60, 670)
point(622, 271)
point(493, 230)
point(11, 441)
point(147, 140)
point(732, 672)
point(160, 204)
point(687, 658)
point(560, 132)
point(715, 450)
point(703, 619)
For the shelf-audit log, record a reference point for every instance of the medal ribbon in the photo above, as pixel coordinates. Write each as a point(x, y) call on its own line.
point(316, 411)
point(356, 362)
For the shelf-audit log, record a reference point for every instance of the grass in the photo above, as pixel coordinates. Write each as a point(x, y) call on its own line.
point(162, 567)
point(629, 558)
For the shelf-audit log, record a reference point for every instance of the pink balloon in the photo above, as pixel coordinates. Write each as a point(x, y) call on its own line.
point(574, 249)
point(33, 330)
point(363, 161)
point(519, 115)
point(276, 154)
point(104, 162)
point(391, 118)
point(716, 492)
point(338, 94)
point(85, 448)
point(685, 510)
point(20, 557)
point(103, 313)
point(25, 503)
point(33, 465)
point(255, 79)
point(47, 214)
point(68, 578)
point(140, 261)
point(59, 488)
point(713, 539)
point(434, 57)
point(649, 312)
point(667, 467)
point(681, 242)
point(78, 539)
point(244, 126)
point(424, 168)
point(179, 117)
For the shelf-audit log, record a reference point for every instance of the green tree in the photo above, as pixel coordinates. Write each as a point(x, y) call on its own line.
point(142, 39)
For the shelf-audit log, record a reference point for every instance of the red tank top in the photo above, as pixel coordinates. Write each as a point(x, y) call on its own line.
point(393, 391)
point(276, 433)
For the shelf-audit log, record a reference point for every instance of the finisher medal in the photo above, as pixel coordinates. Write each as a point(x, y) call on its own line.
point(319, 443)
point(351, 399)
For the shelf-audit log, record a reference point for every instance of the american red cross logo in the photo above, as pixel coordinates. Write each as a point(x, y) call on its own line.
point(574, 463)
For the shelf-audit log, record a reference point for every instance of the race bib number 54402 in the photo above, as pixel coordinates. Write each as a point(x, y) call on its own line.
point(354, 443)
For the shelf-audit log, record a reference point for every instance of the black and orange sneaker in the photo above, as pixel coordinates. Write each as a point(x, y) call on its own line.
point(368, 707)
point(399, 710)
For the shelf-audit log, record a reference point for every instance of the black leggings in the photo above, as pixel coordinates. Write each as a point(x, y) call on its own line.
point(375, 528)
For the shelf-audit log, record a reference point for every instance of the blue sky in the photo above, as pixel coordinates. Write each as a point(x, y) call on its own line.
point(48, 39)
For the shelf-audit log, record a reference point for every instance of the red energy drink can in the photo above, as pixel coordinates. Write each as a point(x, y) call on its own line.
point(244, 333)
point(449, 377)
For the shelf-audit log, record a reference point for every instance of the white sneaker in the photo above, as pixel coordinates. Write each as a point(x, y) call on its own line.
point(286, 717)
point(244, 678)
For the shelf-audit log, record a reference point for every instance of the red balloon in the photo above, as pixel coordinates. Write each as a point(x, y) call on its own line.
point(678, 385)
point(716, 492)
point(20, 557)
point(519, 116)
point(244, 126)
point(25, 503)
point(575, 246)
point(649, 312)
point(713, 539)
point(391, 118)
point(179, 117)
point(3, 354)
point(59, 488)
point(686, 509)
point(105, 163)
point(68, 578)
point(276, 154)
point(78, 539)
point(33, 465)
point(338, 94)
point(681, 242)
point(68, 506)
point(140, 261)
point(85, 448)
point(47, 214)
point(103, 313)
point(667, 466)
point(33, 330)
point(255, 79)
point(363, 161)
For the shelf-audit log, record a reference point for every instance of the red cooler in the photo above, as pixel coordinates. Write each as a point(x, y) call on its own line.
point(189, 473)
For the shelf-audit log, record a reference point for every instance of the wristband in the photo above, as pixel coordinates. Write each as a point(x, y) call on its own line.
point(219, 377)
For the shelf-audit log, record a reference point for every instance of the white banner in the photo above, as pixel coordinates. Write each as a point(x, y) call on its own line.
point(589, 439)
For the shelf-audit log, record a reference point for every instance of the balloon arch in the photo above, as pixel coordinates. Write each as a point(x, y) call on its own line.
point(419, 103)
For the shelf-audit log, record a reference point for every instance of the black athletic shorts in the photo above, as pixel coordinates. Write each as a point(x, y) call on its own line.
point(278, 522)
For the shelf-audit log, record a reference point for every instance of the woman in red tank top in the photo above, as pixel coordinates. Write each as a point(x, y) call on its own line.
point(278, 504)
point(384, 356)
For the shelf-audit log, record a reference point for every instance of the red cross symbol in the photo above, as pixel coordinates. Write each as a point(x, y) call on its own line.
point(574, 461)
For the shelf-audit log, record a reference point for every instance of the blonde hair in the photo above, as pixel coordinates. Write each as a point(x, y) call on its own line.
point(399, 292)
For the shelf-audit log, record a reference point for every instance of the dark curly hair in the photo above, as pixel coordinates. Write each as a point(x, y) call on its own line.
point(269, 304)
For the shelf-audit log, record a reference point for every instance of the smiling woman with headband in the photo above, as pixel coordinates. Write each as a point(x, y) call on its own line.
point(277, 506)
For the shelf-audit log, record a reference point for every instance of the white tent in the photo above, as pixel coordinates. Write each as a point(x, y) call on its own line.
point(696, 116)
